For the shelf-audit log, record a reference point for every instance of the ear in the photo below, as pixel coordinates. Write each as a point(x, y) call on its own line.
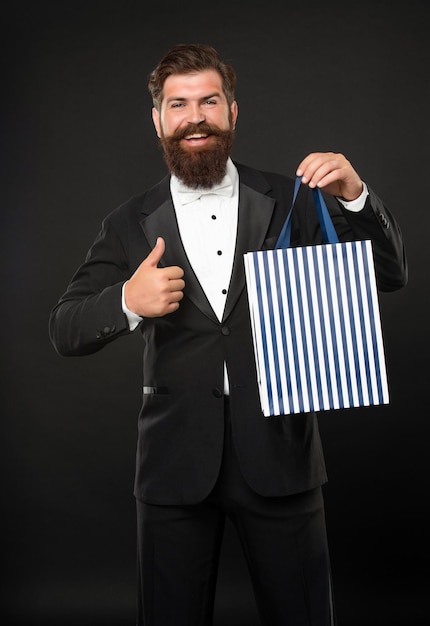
point(234, 110)
point(156, 121)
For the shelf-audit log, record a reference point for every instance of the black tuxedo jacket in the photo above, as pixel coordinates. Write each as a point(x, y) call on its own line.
point(181, 422)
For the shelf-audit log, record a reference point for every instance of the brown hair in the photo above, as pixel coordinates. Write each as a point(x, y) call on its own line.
point(186, 59)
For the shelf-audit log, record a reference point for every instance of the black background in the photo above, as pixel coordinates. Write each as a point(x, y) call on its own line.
point(77, 140)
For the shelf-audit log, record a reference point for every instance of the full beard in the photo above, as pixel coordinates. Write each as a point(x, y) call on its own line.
point(204, 167)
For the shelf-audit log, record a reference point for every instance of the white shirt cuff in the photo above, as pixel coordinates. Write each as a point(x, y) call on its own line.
point(357, 204)
point(133, 319)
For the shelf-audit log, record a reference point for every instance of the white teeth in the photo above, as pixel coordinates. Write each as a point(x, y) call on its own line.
point(196, 136)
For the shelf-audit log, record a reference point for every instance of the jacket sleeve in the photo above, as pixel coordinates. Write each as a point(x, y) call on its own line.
point(375, 222)
point(89, 314)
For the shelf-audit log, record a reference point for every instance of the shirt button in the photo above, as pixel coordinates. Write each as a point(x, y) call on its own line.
point(219, 252)
point(224, 291)
point(214, 217)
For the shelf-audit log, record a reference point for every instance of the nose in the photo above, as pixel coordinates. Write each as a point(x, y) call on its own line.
point(195, 113)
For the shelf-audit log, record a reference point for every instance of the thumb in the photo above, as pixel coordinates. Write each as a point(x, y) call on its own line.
point(154, 257)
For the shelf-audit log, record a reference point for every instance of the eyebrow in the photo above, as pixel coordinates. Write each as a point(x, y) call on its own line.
point(216, 94)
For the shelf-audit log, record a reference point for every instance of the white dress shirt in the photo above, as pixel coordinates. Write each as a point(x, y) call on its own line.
point(207, 221)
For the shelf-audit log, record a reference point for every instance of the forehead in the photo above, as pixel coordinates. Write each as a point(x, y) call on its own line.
point(194, 85)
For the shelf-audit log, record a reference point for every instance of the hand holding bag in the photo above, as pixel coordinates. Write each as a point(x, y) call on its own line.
point(316, 322)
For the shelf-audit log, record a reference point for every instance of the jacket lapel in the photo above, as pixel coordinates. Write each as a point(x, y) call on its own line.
point(255, 213)
point(162, 223)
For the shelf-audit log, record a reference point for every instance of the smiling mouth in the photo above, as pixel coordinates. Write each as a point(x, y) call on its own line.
point(196, 136)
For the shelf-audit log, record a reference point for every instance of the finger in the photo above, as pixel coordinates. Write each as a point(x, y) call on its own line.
point(317, 164)
point(154, 257)
point(173, 272)
point(324, 178)
point(176, 296)
point(312, 172)
point(171, 308)
point(307, 162)
point(176, 285)
point(326, 173)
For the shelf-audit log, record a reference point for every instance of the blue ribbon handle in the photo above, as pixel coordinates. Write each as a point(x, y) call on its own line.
point(329, 234)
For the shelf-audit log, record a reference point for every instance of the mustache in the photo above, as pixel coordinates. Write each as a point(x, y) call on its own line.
point(192, 129)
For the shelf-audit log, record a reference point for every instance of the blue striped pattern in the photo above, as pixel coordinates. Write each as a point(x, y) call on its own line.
point(316, 328)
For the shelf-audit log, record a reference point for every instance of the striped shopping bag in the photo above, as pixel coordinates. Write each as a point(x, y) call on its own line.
point(316, 323)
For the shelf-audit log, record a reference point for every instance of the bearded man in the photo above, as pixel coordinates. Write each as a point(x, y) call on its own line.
point(169, 264)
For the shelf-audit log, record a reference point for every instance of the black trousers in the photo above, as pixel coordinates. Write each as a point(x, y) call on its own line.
point(284, 542)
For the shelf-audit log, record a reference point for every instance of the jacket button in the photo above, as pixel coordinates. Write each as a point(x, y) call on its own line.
point(225, 331)
point(107, 330)
point(217, 393)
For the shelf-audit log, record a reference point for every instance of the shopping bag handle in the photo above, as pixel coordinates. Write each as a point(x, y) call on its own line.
point(328, 231)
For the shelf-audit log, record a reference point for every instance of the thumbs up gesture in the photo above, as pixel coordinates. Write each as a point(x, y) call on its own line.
point(154, 291)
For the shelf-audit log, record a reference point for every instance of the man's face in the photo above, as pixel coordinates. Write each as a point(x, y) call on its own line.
point(196, 127)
